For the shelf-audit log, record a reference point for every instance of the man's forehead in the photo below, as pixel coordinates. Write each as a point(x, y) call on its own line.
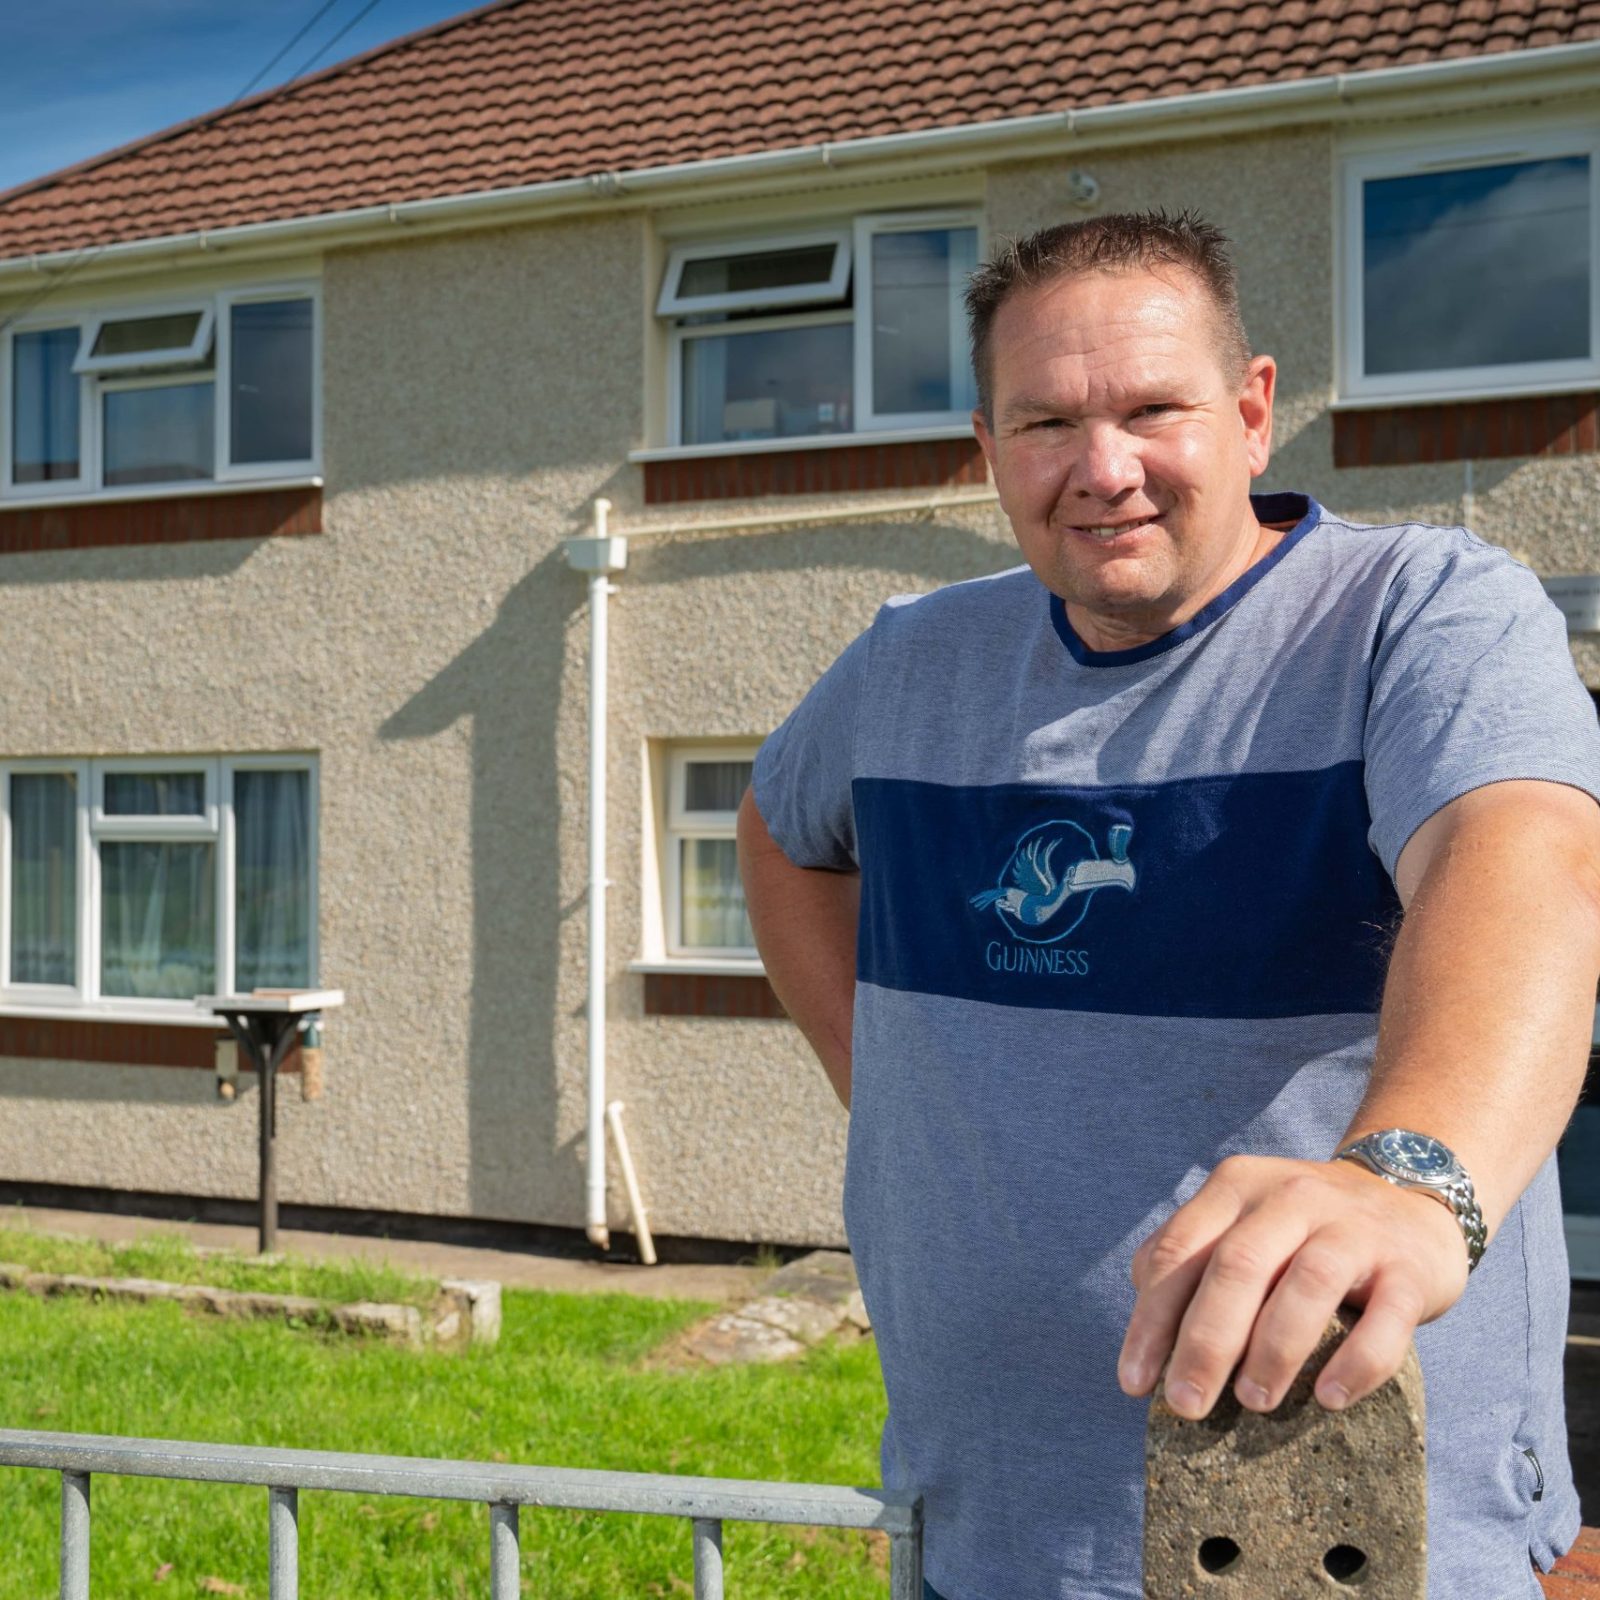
point(1115, 334)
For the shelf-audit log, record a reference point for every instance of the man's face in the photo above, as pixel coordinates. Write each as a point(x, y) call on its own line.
point(1123, 447)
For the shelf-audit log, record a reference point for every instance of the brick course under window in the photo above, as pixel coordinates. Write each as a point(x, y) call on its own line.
point(180, 519)
point(707, 994)
point(841, 469)
point(123, 1044)
point(1470, 430)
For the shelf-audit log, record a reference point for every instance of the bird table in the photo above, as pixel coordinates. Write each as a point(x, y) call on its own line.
point(266, 1024)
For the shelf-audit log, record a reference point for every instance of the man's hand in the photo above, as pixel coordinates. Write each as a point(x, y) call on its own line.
point(1252, 1268)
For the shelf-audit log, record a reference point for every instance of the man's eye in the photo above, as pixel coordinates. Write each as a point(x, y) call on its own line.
point(1155, 408)
point(1049, 422)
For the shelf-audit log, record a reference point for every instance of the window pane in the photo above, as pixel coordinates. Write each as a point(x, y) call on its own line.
point(272, 880)
point(714, 916)
point(767, 385)
point(44, 877)
point(1476, 268)
point(155, 794)
point(137, 336)
point(270, 382)
point(158, 936)
point(44, 406)
point(715, 785)
point(160, 435)
point(756, 270)
point(919, 342)
point(1578, 1160)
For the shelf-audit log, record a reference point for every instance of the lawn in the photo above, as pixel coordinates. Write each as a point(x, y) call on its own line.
point(563, 1387)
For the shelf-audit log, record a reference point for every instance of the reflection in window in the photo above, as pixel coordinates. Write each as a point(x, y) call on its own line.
point(767, 384)
point(270, 382)
point(272, 878)
point(155, 794)
point(162, 434)
point(714, 915)
point(44, 877)
point(44, 407)
point(919, 344)
point(1476, 267)
point(158, 920)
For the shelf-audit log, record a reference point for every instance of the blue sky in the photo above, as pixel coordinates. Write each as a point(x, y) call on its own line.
point(81, 76)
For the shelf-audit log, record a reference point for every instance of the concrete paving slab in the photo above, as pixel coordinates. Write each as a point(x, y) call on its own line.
point(514, 1268)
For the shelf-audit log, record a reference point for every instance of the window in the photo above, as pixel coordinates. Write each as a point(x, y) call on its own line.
point(705, 909)
point(143, 883)
point(220, 389)
point(1471, 270)
point(837, 331)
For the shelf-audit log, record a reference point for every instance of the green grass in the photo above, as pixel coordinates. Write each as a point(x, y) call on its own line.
point(175, 1261)
point(563, 1387)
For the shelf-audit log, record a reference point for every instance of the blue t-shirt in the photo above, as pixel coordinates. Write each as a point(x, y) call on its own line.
point(1124, 914)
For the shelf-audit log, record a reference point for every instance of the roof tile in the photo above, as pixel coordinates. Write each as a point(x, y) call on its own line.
point(528, 91)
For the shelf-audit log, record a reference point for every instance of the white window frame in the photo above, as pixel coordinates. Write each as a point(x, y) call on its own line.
point(190, 354)
point(723, 330)
point(123, 384)
point(215, 825)
point(865, 424)
point(88, 428)
point(226, 471)
point(683, 824)
point(47, 994)
point(90, 483)
point(868, 228)
point(1416, 157)
point(674, 303)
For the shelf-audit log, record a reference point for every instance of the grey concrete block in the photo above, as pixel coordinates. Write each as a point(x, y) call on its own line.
point(1297, 1504)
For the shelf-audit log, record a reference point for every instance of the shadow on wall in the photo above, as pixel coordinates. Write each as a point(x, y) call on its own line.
point(509, 682)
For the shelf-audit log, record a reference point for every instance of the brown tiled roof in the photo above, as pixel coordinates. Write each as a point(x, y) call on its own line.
point(526, 91)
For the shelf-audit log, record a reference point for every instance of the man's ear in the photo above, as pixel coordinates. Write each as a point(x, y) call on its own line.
point(985, 439)
point(1255, 411)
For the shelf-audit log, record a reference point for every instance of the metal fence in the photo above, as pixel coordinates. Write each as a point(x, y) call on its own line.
point(706, 1502)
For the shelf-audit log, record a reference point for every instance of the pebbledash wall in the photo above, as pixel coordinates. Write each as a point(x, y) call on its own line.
point(430, 644)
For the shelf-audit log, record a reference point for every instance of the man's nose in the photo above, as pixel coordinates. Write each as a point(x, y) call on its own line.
point(1107, 464)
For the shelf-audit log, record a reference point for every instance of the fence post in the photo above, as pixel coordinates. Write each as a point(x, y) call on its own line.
point(504, 1553)
point(283, 1544)
point(905, 1560)
point(74, 1536)
point(707, 1559)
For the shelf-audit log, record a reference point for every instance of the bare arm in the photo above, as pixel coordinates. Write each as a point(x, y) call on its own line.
point(1482, 1043)
point(805, 928)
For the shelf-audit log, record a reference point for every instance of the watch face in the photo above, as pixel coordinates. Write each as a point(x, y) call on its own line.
point(1414, 1154)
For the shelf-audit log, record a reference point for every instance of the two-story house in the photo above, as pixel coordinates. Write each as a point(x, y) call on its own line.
point(299, 404)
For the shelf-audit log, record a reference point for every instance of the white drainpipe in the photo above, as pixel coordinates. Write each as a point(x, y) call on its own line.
point(599, 555)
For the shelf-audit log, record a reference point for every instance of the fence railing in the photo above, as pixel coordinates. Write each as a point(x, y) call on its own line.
point(706, 1502)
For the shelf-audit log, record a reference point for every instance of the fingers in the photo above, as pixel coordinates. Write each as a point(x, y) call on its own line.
point(1372, 1352)
point(1217, 1327)
point(1325, 1269)
point(1167, 1269)
point(1241, 1283)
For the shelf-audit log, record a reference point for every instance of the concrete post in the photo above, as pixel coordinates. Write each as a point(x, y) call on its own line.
point(1299, 1504)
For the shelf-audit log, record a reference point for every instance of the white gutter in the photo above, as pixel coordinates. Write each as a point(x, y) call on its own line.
point(599, 556)
point(1556, 68)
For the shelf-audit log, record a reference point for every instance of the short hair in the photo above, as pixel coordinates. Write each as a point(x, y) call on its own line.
point(1126, 241)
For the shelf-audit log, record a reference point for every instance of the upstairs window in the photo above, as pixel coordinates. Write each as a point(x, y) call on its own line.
point(834, 331)
point(219, 389)
point(1471, 270)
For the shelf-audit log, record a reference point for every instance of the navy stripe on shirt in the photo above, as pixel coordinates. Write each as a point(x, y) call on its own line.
point(1253, 895)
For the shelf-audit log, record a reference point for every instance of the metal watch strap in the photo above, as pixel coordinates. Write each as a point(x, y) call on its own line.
point(1457, 1196)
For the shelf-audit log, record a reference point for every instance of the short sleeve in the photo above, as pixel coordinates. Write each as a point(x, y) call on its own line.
point(804, 771)
point(1472, 683)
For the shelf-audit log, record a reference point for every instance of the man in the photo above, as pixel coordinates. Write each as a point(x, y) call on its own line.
point(1135, 837)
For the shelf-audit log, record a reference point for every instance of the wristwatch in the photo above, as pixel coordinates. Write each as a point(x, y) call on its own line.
point(1415, 1161)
